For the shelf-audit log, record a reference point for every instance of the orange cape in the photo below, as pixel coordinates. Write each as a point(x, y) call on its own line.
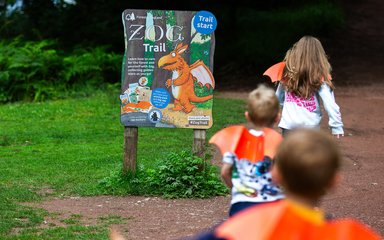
point(275, 72)
point(284, 220)
point(238, 140)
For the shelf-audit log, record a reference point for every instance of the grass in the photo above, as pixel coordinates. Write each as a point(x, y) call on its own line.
point(67, 147)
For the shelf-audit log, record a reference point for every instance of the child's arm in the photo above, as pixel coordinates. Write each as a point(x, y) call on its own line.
point(333, 110)
point(226, 174)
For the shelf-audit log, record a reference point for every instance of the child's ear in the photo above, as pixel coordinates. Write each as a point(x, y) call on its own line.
point(278, 116)
point(246, 114)
point(336, 180)
point(276, 176)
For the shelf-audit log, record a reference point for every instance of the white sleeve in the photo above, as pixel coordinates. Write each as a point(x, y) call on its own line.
point(229, 158)
point(332, 109)
point(280, 94)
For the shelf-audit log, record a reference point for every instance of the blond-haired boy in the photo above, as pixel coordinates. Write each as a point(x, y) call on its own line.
point(251, 182)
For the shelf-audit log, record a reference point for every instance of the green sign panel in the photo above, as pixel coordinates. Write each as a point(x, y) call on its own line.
point(167, 76)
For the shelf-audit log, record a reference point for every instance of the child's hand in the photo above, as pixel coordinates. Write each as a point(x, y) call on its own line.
point(114, 234)
point(338, 135)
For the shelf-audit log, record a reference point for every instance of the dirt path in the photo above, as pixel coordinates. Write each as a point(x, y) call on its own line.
point(361, 193)
point(356, 55)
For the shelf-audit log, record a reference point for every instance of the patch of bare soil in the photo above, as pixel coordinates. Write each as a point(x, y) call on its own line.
point(356, 54)
point(143, 217)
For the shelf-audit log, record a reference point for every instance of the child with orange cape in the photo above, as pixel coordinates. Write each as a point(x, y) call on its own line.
point(306, 166)
point(248, 153)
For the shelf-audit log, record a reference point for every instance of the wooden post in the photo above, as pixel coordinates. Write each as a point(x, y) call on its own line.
point(198, 148)
point(130, 149)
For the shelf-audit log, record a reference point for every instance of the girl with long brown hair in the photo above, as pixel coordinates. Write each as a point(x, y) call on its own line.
point(307, 79)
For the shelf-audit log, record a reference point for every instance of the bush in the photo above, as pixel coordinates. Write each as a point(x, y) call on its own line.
point(180, 175)
point(28, 71)
point(36, 71)
point(94, 66)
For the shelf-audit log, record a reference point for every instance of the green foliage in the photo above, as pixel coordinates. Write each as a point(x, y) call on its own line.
point(180, 175)
point(28, 70)
point(256, 32)
point(200, 52)
point(201, 91)
point(251, 36)
point(36, 71)
point(185, 175)
point(118, 184)
point(94, 66)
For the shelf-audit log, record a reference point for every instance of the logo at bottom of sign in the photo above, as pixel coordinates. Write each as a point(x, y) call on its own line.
point(155, 115)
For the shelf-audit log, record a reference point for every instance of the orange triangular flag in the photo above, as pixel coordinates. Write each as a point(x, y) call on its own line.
point(275, 72)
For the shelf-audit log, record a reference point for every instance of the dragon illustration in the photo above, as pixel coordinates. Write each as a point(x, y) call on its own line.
point(183, 78)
